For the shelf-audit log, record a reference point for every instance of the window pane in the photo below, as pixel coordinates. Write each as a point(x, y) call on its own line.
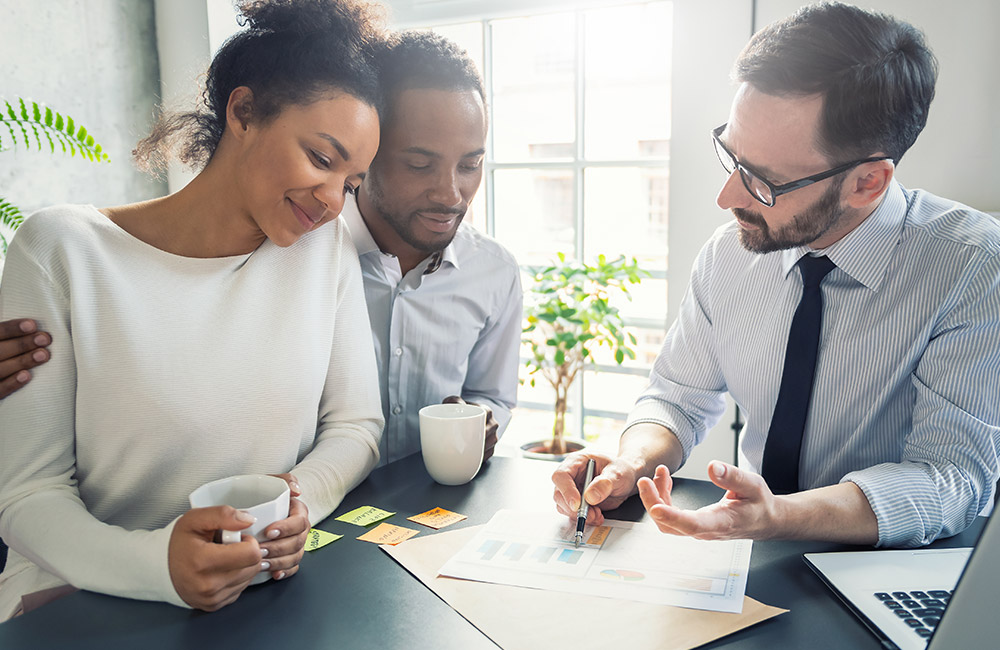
point(648, 344)
point(533, 88)
point(627, 77)
point(625, 213)
point(534, 213)
point(607, 391)
point(604, 432)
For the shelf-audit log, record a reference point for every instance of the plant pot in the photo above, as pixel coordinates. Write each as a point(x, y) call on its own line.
point(537, 449)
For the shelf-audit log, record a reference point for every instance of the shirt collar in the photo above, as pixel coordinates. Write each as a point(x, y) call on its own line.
point(365, 243)
point(865, 252)
point(362, 237)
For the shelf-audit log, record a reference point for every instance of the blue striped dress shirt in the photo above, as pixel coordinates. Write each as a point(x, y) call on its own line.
point(906, 401)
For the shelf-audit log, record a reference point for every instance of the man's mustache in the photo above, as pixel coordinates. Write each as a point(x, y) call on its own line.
point(750, 217)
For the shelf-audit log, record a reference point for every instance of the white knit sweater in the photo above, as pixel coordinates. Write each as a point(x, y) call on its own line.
point(168, 372)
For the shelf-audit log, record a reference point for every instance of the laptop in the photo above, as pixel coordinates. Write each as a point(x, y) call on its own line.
point(933, 599)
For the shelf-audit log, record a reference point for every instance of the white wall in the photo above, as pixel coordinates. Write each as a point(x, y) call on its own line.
point(96, 61)
point(958, 154)
point(700, 102)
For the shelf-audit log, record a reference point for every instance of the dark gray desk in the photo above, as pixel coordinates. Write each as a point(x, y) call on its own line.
point(352, 595)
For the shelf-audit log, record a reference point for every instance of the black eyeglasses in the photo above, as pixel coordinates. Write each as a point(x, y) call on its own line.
point(764, 190)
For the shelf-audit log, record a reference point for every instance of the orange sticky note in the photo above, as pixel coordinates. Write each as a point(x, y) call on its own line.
point(437, 518)
point(599, 535)
point(388, 534)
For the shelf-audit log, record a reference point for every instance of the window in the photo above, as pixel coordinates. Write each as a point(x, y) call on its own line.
point(578, 162)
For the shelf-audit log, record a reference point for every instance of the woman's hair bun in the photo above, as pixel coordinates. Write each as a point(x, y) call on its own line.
point(335, 18)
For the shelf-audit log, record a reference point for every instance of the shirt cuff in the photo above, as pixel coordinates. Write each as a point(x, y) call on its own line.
point(666, 415)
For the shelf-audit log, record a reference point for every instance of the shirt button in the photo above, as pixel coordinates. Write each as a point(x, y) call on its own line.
point(397, 410)
point(399, 352)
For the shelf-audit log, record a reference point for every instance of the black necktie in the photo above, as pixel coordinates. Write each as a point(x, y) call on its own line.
point(780, 467)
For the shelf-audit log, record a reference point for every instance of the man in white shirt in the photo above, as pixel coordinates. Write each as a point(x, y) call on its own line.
point(444, 300)
point(872, 407)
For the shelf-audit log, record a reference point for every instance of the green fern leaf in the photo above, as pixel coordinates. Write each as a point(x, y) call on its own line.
point(10, 215)
point(38, 136)
point(13, 137)
point(29, 122)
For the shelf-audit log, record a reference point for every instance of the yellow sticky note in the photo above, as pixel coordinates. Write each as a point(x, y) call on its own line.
point(319, 538)
point(364, 516)
point(437, 518)
point(388, 534)
point(599, 535)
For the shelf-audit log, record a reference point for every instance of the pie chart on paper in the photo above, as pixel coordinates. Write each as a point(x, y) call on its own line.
point(623, 574)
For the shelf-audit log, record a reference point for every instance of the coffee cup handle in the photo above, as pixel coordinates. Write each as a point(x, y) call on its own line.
point(231, 536)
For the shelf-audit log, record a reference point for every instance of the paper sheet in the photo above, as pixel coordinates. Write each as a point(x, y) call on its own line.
point(618, 560)
point(518, 618)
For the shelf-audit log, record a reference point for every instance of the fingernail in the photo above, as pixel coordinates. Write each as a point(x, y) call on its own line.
point(23, 376)
point(295, 487)
point(719, 469)
point(245, 517)
point(273, 533)
point(27, 326)
point(263, 552)
point(264, 566)
point(41, 339)
point(281, 574)
point(39, 355)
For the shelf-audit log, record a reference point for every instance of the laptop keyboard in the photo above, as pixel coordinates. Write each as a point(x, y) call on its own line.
point(921, 610)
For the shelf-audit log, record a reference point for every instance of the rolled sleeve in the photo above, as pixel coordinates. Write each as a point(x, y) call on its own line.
point(949, 464)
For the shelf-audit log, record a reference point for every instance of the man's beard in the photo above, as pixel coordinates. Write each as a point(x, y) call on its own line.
point(807, 226)
point(403, 225)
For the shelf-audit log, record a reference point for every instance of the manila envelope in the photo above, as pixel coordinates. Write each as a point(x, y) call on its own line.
point(520, 617)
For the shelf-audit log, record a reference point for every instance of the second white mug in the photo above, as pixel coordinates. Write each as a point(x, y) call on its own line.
point(452, 437)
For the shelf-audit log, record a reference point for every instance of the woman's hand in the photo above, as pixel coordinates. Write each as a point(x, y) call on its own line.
point(207, 575)
point(287, 538)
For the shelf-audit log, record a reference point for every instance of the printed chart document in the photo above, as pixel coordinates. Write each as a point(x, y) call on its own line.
point(618, 560)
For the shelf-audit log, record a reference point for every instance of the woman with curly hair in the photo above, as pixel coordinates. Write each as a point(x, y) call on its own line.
point(216, 331)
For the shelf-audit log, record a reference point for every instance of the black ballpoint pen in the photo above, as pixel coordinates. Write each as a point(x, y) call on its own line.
point(581, 514)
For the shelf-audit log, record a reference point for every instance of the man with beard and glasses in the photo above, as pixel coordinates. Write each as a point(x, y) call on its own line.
point(444, 300)
point(856, 323)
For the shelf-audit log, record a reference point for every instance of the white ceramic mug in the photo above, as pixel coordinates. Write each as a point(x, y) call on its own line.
point(452, 437)
point(264, 497)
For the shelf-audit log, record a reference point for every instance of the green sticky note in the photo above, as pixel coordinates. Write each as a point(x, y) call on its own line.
point(364, 516)
point(319, 538)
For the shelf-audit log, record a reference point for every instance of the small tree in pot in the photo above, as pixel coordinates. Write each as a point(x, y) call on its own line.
point(567, 316)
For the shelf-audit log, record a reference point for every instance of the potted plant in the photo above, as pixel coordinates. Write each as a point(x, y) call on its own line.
point(30, 124)
point(568, 315)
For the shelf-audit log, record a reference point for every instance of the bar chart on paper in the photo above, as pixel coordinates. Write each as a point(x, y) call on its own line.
point(618, 559)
